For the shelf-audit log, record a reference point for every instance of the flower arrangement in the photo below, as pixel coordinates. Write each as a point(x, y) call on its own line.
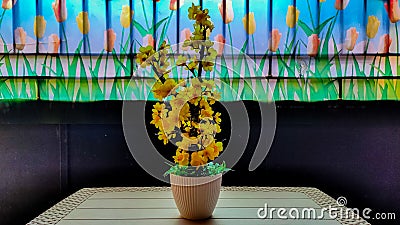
point(184, 114)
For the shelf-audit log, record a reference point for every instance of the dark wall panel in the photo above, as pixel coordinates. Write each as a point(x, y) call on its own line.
point(29, 171)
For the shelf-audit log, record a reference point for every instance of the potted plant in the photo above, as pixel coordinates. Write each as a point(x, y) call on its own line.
point(186, 116)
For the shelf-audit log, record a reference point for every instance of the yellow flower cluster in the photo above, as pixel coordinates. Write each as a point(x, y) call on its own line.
point(188, 118)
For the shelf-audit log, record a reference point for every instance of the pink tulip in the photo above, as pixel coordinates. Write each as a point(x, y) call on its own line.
point(54, 43)
point(384, 43)
point(313, 44)
point(341, 4)
point(220, 43)
point(351, 38)
point(185, 35)
point(393, 10)
point(228, 10)
point(20, 38)
point(173, 4)
point(148, 40)
point(275, 40)
point(8, 4)
point(60, 10)
point(109, 39)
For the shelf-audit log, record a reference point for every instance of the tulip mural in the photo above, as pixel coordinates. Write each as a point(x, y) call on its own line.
point(90, 47)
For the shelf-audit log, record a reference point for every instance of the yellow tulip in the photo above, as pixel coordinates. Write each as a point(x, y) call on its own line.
point(83, 22)
point(372, 26)
point(8, 4)
point(322, 0)
point(39, 26)
point(249, 23)
point(126, 16)
point(20, 38)
point(292, 16)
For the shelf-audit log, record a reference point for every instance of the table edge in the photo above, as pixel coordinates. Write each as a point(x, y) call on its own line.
point(56, 213)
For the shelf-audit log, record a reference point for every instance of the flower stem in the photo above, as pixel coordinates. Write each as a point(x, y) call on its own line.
point(397, 53)
point(230, 37)
point(365, 54)
point(145, 16)
point(347, 61)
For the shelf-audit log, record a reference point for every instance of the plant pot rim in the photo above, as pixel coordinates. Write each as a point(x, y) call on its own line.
point(177, 180)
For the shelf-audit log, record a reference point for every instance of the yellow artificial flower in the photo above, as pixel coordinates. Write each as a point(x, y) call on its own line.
point(182, 157)
point(249, 23)
point(161, 90)
point(292, 16)
point(197, 159)
point(217, 117)
point(212, 151)
point(163, 137)
point(83, 22)
point(157, 109)
point(372, 26)
point(187, 141)
point(184, 114)
point(126, 16)
point(39, 26)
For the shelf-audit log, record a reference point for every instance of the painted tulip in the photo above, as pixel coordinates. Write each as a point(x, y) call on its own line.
point(148, 40)
point(322, 0)
point(292, 16)
point(384, 43)
point(109, 40)
point(313, 44)
point(341, 4)
point(20, 38)
point(83, 22)
point(185, 35)
point(60, 10)
point(8, 4)
point(249, 23)
point(54, 43)
point(126, 16)
point(39, 26)
point(275, 40)
point(393, 10)
point(229, 15)
point(173, 4)
point(351, 38)
point(372, 26)
point(219, 43)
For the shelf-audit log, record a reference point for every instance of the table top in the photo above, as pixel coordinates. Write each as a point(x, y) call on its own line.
point(155, 205)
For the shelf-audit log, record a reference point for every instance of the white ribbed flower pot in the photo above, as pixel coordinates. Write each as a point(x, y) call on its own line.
point(196, 197)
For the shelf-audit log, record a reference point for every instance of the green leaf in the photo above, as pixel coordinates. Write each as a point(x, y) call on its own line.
point(142, 31)
point(307, 30)
point(323, 24)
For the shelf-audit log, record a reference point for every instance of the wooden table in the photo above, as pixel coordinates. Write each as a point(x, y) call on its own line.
point(155, 206)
